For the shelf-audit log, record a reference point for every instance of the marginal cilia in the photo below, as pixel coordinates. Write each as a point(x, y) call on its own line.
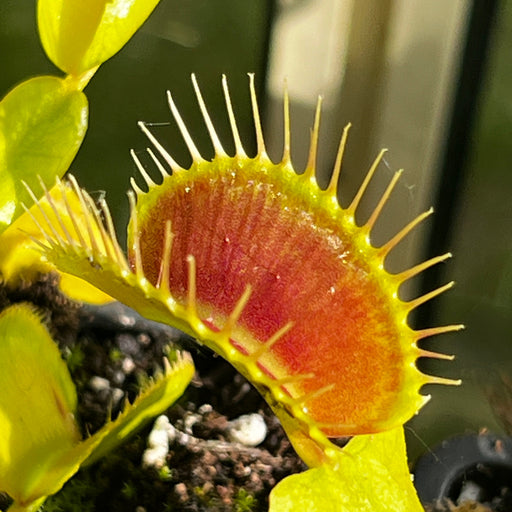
point(267, 269)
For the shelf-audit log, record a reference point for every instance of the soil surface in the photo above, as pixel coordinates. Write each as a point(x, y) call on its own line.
point(110, 350)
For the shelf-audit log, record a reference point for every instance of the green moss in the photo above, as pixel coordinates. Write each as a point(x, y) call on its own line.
point(115, 355)
point(74, 357)
point(244, 502)
point(206, 498)
point(165, 474)
point(129, 491)
point(78, 495)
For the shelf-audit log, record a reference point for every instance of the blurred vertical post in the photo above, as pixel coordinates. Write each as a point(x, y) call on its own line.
point(388, 67)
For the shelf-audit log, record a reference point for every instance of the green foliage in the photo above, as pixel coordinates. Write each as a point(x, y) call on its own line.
point(74, 357)
point(42, 124)
point(128, 491)
point(115, 355)
point(165, 474)
point(79, 36)
point(369, 474)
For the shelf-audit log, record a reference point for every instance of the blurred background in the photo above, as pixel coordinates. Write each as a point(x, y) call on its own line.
point(431, 81)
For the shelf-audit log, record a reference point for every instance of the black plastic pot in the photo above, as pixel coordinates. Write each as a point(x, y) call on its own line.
point(474, 467)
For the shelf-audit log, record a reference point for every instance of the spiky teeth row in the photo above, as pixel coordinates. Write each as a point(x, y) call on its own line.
point(268, 270)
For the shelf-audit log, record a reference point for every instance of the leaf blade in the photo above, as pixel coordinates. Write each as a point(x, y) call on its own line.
point(369, 475)
point(78, 36)
point(37, 405)
point(42, 125)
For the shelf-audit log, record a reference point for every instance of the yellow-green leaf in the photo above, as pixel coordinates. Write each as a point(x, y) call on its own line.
point(369, 475)
point(78, 36)
point(42, 124)
point(37, 406)
point(21, 259)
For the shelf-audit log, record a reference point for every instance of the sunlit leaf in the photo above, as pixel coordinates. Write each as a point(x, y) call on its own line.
point(37, 406)
point(42, 124)
point(78, 36)
point(369, 475)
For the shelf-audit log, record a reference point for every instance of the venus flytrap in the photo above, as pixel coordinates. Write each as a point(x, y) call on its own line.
point(271, 272)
